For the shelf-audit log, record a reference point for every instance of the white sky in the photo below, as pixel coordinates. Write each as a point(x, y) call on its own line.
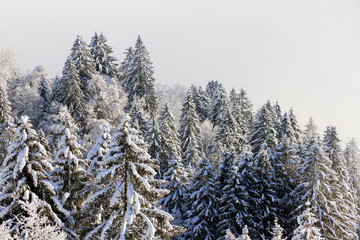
point(303, 53)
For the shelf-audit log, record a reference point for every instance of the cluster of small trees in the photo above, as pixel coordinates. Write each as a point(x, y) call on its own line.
point(95, 157)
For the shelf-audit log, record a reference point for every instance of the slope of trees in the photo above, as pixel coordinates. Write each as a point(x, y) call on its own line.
point(110, 154)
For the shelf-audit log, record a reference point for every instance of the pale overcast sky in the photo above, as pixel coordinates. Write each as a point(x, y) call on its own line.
point(303, 53)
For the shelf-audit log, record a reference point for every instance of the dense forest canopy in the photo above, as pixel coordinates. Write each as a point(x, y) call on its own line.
point(103, 152)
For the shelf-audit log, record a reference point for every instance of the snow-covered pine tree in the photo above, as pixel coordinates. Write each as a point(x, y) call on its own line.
point(202, 105)
point(98, 151)
point(310, 131)
point(126, 186)
point(69, 172)
point(316, 183)
point(245, 107)
point(124, 69)
point(277, 119)
point(213, 90)
point(45, 93)
point(177, 184)
point(307, 229)
point(137, 115)
point(220, 104)
point(169, 145)
point(265, 207)
point(346, 222)
point(69, 91)
point(189, 133)
point(139, 80)
point(229, 205)
point(245, 234)
point(24, 179)
point(200, 217)
point(263, 129)
point(83, 60)
point(277, 231)
point(352, 158)
point(287, 159)
point(101, 52)
point(7, 126)
point(36, 225)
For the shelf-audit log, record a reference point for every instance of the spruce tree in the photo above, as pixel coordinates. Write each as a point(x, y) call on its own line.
point(24, 179)
point(70, 170)
point(125, 69)
point(263, 129)
point(346, 221)
point(201, 214)
point(352, 158)
point(202, 105)
point(139, 80)
point(83, 60)
point(306, 229)
point(7, 125)
point(69, 91)
point(310, 131)
point(169, 144)
point(316, 183)
point(101, 52)
point(189, 133)
point(126, 186)
point(44, 92)
point(98, 151)
point(229, 205)
point(277, 231)
point(245, 107)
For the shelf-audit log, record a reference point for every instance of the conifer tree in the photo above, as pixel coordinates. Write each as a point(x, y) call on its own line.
point(346, 221)
point(83, 60)
point(202, 105)
point(169, 144)
point(125, 69)
point(138, 119)
point(277, 231)
point(200, 217)
point(70, 170)
point(44, 92)
point(126, 186)
point(263, 129)
point(139, 80)
point(24, 179)
point(244, 235)
point(98, 151)
point(229, 205)
point(310, 131)
point(189, 133)
point(101, 52)
point(177, 184)
point(306, 229)
point(245, 108)
point(352, 158)
point(316, 184)
point(7, 125)
point(69, 91)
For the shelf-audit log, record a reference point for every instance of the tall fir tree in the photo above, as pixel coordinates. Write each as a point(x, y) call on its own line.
point(346, 222)
point(306, 229)
point(126, 186)
point(352, 158)
point(105, 63)
point(24, 179)
point(263, 129)
point(45, 93)
point(316, 184)
point(245, 108)
point(169, 144)
point(200, 217)
point(83, 60)
point(138, 78)
point(189, 133)
point(69, 91)
point(229, 204)
point(69, 172)
point(7, 125)
point(125, 69)
point(202, 105)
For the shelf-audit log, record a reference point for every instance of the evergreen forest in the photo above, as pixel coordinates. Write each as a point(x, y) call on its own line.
point(104, 152)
